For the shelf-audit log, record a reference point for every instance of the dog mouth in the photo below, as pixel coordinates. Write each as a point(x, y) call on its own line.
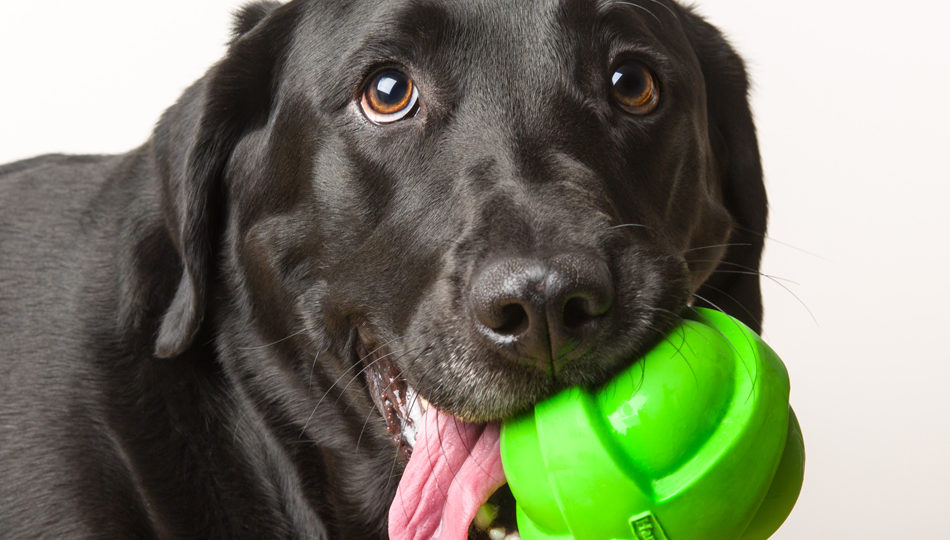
point(453, 485)
point(398, 403)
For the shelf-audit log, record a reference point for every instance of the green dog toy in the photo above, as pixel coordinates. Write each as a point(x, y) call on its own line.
point(696, 441)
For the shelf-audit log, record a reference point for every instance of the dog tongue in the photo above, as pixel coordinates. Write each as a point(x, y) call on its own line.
point(455, 466)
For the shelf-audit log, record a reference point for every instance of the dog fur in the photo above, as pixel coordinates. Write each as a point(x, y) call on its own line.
point(178, 323)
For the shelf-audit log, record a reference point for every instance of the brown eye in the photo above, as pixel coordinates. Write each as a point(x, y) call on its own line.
point(389, 97)
point(634, 88)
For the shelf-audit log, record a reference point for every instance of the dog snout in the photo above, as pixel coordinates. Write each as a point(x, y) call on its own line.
point(542, 312)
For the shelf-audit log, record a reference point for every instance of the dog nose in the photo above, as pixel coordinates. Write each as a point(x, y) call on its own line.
point(544, 312)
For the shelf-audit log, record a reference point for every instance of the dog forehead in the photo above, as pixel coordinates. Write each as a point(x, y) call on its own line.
point(509, 47)
point(496, 31)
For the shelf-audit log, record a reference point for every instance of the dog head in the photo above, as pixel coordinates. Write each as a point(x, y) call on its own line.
point(476, 204)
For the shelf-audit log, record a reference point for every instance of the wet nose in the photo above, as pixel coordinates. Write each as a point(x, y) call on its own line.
point(544, 312)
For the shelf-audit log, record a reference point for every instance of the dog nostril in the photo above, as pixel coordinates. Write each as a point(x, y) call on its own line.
point(577, 313)
point(513, 320)
point(542, 312)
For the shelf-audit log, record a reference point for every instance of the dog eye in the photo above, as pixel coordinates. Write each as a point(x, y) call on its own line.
point(634, 88)
point(389, 97)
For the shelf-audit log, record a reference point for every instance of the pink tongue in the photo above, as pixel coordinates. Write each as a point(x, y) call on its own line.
point(455, 466)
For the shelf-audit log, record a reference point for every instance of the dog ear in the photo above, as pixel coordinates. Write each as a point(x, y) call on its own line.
point(248, 16)
point(734, 287)
point(192, 145)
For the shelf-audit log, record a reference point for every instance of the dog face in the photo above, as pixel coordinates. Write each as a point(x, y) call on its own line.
point(517, 183)
point(477, 204)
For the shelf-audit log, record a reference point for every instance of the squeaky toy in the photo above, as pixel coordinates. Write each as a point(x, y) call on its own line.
point(696, 440)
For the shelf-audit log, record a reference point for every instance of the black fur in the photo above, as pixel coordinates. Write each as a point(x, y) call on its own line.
point(178, 324)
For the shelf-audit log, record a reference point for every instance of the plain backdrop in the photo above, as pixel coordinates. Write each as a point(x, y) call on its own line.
point(851, 100)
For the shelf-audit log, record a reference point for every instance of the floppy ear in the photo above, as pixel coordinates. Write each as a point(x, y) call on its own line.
point(734, 286)
point(192, 145)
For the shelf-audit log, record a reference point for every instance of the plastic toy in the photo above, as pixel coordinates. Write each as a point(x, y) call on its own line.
point(696, 440)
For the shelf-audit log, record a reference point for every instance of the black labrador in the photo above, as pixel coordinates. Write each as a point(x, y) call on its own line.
point(371, 219)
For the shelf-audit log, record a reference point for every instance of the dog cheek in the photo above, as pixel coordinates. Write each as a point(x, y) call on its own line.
point(708, 243)
point(654, 288)
point(272, 267)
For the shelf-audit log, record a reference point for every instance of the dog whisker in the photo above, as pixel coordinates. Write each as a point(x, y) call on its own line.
point(679, 351)
point(798, 298)
point(666, 335)
point(742, 269)
point(340, 378)
point(666, 7)
point(628, 225)
point(772, 239)
point(281, 340)
point(796, 248)
point(752, 376)
point(713, 246)
point(367, 366)
point(735, 300)
point(642, 8)
point(313, 366)
point(779, 282)
point(761, 274)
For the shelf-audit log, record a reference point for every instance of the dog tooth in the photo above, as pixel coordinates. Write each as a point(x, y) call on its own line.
point(513, 536)
point(497, 533)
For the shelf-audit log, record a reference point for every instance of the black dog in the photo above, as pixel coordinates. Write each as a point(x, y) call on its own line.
point(364, 208)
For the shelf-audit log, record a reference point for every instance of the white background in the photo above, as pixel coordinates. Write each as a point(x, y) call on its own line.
point(851, 100)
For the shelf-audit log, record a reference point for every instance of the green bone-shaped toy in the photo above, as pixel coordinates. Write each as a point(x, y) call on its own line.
point(695, 441)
